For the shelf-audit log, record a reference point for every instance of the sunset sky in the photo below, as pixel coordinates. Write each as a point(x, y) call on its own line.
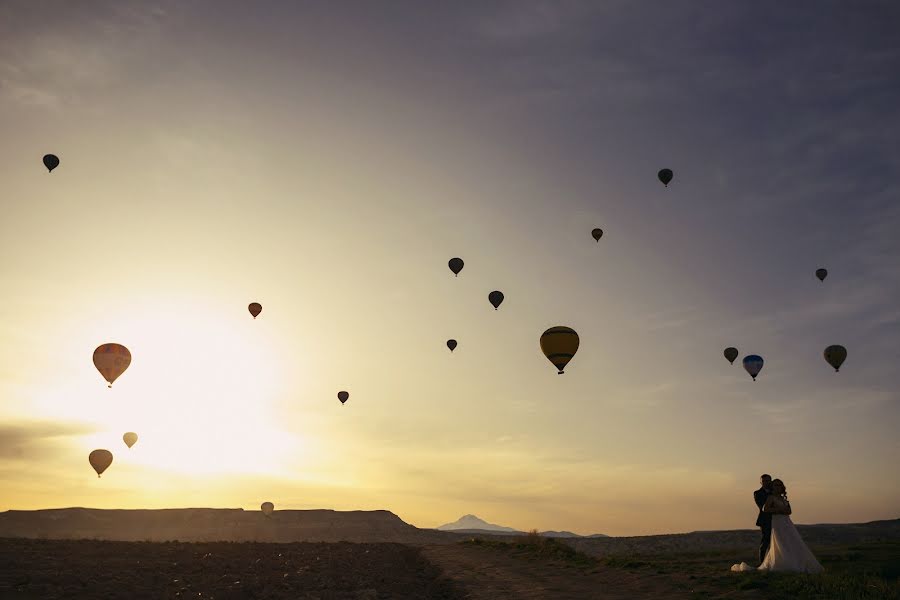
point(327, 159)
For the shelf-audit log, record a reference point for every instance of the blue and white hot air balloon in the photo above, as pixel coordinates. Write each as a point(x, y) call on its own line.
point(753, 364)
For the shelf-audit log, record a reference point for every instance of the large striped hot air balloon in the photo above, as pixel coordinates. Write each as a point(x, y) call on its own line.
point(111, 360)
point(559, 344)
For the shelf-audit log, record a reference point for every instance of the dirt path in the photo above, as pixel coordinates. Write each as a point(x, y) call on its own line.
point(491, 574)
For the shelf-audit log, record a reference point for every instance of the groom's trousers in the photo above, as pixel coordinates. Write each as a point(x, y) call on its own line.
point(766, 540)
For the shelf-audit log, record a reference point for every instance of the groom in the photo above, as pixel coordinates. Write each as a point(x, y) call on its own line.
point(764, 520)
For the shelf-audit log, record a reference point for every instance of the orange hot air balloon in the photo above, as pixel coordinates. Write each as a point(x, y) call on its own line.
point(111, 360)
point(255, 308)
point(267, 508)
point(100, 460)
point(130, 438)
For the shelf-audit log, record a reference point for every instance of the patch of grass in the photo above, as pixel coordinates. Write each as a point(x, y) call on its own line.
point(534, 546)
point(857, 572)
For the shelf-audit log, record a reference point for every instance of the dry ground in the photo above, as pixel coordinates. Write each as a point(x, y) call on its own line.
point(48, 569)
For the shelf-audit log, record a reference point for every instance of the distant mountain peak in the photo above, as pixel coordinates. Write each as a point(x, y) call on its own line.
point(473, 522)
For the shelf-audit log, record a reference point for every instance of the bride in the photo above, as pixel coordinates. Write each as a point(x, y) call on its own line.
point(787, 552)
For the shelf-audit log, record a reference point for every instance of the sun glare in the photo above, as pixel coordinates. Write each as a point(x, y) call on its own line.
point(200, 391)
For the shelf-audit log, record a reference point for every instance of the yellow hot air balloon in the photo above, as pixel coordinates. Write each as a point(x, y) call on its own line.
point(111, 360)
point(130, 438)
point(100, 460)
point(559, 344)
point(268, 508)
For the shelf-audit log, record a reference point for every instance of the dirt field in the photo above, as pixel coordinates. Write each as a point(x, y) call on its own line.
point(47, 569)
point(492, 572)
point(528, 569)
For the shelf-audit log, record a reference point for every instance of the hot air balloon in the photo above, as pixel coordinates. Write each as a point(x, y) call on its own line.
point(100, 460)
point(130, 438)
point(665, 175)
point(51, 161)
point(456, 265)
point(597, 234)
point(731, 354)
point(451, 344)
point(267, 508)
point(496, 298)
point(111, 360)
point(835, 356)
point(343, 396)
point(559, 344)
point(255, 308)
point(821, 274)
point(753, 364)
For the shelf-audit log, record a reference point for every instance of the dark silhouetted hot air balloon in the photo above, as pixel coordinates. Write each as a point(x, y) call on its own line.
point(835, 356)
point(267, 508)
point(665, 175)
point(451, 344)
point(559, 344)
point(731, 354)
point(597, 234)
point(496, 299)
point(255, 308)
point(456, 265)
point(130, 438)
point(111, 360)
point(753, 364)
point(821, 274)
point(343, 396)
point(51, 161)
point(100, 460)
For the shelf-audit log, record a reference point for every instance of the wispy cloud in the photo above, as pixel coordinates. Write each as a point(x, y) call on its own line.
point(54, 54)
point(31, 440)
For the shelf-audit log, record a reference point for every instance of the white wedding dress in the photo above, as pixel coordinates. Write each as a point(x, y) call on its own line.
point(787, 551)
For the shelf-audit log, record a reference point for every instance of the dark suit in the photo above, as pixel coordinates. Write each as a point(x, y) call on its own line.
point(763, 521)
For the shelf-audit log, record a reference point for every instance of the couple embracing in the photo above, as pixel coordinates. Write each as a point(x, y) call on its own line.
point(781, 548)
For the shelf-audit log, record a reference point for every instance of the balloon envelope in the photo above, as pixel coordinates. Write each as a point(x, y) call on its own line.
point(597, 234)
point(496, 298)
point(255, 308)
point(451, 344)
point(456, 265)
point(821, 274)
point(559, 344)
point(731, 354)
point(51, 161)
point(267, 508)
point(343, 396)
point(100, 460)
point(111, 360)
point(835, 356)
point(665, 175)
point(753, 364)
point(130, 438)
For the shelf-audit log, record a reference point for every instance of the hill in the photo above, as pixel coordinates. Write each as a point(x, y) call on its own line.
point(472, 525)
point(210, 524)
